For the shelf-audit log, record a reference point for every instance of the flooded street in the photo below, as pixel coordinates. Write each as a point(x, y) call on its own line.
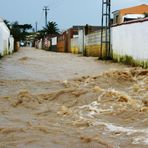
point(63, 100)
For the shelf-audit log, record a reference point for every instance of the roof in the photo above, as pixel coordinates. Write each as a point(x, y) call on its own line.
point(140, 9)
point(2, 22)
point(82, 27)
point(78, 27)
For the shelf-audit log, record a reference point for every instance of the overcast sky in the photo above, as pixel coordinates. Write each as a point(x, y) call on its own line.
point(65, 13)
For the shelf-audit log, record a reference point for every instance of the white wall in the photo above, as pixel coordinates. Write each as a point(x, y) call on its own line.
point(40, 44)
point(11, 47)
point(75, 45)
point(54, 41)
point(131, 40)
point(77, 42)
point(81, 35)
point(4, 38)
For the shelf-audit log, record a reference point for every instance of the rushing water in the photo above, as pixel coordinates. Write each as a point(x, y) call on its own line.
point(106, 110)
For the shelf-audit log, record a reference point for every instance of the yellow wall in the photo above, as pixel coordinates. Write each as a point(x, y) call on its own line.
point(75, 50)
point(95, 50)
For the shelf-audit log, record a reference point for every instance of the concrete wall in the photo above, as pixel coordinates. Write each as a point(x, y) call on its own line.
point(11, 46)
point(93, 44)
point(38, 44)
point(53, 44)
point(77, 43)
point(89, 45)
point(4, 38)
point(46, 43)
point(130, 43)
point(54, 41)
point(62, 43)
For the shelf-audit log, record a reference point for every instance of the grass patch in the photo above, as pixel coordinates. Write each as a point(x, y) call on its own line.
point(128, 60)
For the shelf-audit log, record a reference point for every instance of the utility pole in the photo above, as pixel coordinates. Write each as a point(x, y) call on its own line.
point(106, 29)
point(46, 10)
point(36, 26)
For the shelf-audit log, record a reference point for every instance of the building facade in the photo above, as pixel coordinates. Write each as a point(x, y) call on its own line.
point(6, 40)
point(131, 13)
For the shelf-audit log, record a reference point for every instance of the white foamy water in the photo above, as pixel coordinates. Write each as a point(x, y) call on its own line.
point(140, 139)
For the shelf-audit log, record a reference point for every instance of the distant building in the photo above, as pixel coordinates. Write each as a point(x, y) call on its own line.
point(131, 13)
point(64, 40)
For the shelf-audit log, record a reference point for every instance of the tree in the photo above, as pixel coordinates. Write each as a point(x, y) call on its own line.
point(18, 31)
point(15, 31)
point(7, 23)
point(146, 14)
point(40, 34)
point(25, 27)
point(51, 28)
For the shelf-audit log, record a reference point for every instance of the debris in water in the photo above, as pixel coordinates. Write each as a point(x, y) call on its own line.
point(97, 89)
point(81, 123)
point(64, 111)
point(86, 139)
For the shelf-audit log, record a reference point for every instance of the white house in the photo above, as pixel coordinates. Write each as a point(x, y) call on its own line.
point(6, 40)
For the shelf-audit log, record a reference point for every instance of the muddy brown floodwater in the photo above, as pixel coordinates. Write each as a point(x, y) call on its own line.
point(62, 100)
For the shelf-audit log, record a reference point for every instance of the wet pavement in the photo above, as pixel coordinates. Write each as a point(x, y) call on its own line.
point(42, 65)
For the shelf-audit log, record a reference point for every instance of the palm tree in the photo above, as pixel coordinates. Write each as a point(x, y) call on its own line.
point(51, 28)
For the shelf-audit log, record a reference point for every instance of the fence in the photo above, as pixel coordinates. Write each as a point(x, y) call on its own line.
point(130, 43)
